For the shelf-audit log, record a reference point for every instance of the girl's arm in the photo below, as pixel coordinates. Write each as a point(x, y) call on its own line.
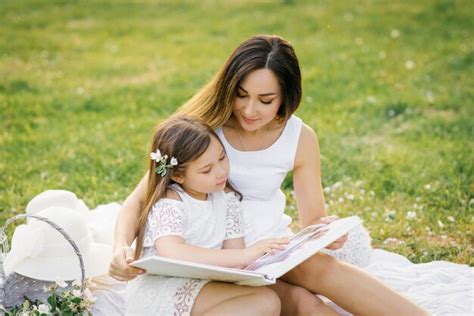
point(126, 230)
point(235, 243)
point(176, 247)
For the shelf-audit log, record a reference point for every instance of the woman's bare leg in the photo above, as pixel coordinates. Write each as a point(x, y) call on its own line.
point(296, 300)
point(227, 299)
point(350, 287)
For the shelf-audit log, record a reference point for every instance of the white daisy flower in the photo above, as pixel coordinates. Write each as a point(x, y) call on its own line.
point(409, 64)
point(77, 293)
point(395, 33)
point(174, 161)
point(411, 215)
point(89, 296)
point(43, 309)
point(156, 156)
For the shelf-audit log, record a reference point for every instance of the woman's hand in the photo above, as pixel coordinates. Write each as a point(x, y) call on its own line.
point(119, 267)
point(339, 243)
point(263, 247)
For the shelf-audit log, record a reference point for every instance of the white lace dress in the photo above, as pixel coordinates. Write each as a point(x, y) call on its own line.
point(201, 223)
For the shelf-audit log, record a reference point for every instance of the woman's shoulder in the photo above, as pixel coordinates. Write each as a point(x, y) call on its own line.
point(308, 145)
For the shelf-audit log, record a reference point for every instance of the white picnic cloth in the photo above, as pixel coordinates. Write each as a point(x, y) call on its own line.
point(443, 288)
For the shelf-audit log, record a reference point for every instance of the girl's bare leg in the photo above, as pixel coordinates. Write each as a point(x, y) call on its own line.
point(350, 287)
point(227, 299)
point(296, 300)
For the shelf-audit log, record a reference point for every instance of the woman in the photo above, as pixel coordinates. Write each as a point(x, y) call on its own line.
point(250, 103)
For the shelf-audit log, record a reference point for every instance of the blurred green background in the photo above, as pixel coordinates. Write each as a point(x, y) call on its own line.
point(388, 88)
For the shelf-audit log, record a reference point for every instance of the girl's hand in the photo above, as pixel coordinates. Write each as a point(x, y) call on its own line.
point(119, 268)
point(263, 247)
point(341, 241)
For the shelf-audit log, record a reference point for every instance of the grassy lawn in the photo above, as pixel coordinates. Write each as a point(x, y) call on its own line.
point(388, 87)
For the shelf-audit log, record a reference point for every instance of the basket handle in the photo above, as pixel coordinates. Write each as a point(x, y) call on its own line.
point(5, 248)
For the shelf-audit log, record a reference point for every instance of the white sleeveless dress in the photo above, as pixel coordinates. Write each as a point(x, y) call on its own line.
point(258, 175)
point(201, 223)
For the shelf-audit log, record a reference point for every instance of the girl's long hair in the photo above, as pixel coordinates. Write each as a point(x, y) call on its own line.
point(183, 138)
point(213, 104)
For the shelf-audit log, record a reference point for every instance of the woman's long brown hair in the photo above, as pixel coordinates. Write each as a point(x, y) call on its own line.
point(181, 137)
point(213, 104)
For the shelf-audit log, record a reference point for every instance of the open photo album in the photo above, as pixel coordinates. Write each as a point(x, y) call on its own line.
point(266, 269)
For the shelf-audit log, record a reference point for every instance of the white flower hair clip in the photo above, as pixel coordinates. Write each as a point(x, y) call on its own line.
point(162, 161)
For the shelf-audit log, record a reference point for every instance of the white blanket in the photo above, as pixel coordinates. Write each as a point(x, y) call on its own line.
point(443, 288)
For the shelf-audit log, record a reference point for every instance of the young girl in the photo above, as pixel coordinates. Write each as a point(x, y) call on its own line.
point(192, 213)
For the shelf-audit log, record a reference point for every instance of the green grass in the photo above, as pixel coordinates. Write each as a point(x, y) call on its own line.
point(82, 85)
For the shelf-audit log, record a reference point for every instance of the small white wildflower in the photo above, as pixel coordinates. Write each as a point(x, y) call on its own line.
point(451, 219)
point(391, 113)
point(411, 215)
point(89, 296)
point(409, 64)
point(340, 200)
point(373, 214)
point(165, 157)
point(61, 283)
point(327, 190)
point(428, 187)
point(43, 309)
point(336, 185)
point(77, 293)
point(425, 253)
point(350, 197)
point(395, 33)
point(444, 237)
point(371, 99)
point(429, 97)
point(174, 161)
point(156, 156)
point(440, 224)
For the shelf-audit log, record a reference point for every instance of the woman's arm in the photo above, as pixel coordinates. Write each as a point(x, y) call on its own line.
point(307, 179)
point(307, 184)
point(126, 230)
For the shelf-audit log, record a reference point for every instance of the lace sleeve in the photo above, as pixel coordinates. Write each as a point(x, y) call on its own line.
point(234, 218)
point(165, 218)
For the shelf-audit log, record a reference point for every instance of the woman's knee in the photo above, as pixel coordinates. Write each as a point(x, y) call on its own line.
point(271, 304)
point(316, 268)
point(305, 302)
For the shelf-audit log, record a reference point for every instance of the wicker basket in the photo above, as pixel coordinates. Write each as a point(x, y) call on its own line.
point(5, 248)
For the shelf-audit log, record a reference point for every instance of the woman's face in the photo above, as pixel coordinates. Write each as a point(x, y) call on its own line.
point(258, 100)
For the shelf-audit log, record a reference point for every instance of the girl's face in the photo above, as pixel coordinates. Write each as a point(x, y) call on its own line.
point(258, 100)
point(208, 173)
